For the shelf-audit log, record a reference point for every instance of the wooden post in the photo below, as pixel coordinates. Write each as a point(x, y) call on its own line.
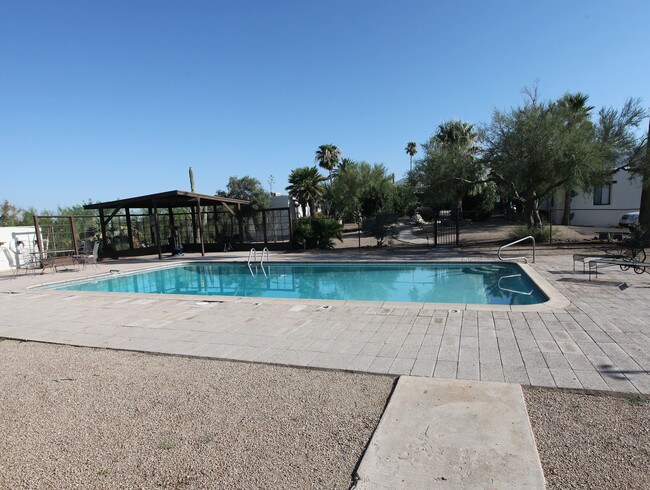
point(172, 224)
point(128, 227)
point(74, 236)
point(39, 239)
point(102, 225)
point(157, 226)
point(198, 207)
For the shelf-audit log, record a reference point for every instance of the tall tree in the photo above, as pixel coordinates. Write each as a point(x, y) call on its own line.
point(328, 157)
point(10, 214)
point(644, 206)
point(306, 187)
point(411, 150)
point(531, 151)
point(449, 169)
point(247, 188)
point(356, 182)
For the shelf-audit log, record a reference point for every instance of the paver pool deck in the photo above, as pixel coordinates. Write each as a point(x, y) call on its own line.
point(597, 338)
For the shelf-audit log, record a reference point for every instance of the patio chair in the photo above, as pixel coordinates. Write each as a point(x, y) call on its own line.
point(90, 258)
point(16, 265)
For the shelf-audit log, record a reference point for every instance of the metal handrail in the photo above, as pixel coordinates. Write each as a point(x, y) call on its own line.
point(265, 250)
point(514, 291)
point(252, 254)
point(529, 237)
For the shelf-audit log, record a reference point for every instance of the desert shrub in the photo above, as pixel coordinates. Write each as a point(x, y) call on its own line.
point(541, 235)
point(315, 232)
point(381, 226)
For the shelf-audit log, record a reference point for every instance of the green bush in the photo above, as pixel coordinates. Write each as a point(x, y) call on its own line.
point(541, 235)
point(316, 232)
point(639, 236)
point(381, 226)
point(480, 206)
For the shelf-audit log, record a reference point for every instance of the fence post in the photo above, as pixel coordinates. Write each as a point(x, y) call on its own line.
point(457, 211)
point(128, 228)
point(74, 236)
point(436, 215)
point(266, 241)
point(290, 228)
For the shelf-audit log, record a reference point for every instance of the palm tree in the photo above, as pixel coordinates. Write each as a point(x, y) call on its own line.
point(411, 150)
point(327, 157)
point(578, 112)
point(305, 186)
point(458, 140)
point(346, 163)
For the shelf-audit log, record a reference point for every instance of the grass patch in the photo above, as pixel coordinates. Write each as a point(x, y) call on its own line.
point(207, 438)
point(167, 445)
point(637, 400)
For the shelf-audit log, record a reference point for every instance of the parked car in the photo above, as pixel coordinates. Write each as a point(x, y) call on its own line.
point(629, 219)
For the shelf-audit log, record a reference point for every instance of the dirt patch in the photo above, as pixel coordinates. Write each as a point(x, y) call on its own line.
point(87, 418)
point(591, 441)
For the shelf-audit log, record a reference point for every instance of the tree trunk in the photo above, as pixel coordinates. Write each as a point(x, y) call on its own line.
point(566, 215)
point(459, 207)
point(531, 213)
point(644, 206)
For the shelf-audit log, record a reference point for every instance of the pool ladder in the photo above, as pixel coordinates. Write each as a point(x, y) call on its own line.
point(515, 243)
point(252, 258)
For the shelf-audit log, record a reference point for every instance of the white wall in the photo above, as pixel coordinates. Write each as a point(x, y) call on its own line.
point(9, 235)
point(625, 196)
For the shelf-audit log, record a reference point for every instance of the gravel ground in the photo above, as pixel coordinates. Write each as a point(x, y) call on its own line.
point(591, 441)
point(87, 418)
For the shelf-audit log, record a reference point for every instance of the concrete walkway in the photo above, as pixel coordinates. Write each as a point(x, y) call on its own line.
point(452, 434)
point(598, 339)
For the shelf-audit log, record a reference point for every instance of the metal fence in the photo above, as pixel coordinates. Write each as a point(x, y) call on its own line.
point(133, 231)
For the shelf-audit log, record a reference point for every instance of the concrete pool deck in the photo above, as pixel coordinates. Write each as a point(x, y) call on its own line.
point(596, 336)
point(452, 434)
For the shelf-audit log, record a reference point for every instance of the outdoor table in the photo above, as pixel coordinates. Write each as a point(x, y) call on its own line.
point(55, 259)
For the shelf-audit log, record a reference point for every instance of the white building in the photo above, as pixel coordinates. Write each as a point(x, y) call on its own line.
point(279, 200)
point(602, 206)
point(10, 236)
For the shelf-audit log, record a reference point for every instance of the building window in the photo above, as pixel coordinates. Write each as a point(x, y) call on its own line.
point(602, 195)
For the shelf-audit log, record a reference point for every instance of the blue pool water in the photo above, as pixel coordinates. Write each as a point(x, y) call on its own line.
point(478, 283)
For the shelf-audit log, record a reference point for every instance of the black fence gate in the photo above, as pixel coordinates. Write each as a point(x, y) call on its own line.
point(445, 228)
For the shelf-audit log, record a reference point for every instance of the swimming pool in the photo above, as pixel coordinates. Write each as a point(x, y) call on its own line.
point(436, 282)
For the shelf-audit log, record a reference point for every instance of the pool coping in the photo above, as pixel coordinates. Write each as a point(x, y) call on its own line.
point(556, 300)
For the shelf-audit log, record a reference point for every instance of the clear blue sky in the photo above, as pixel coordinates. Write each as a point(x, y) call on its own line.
point(107, 100)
